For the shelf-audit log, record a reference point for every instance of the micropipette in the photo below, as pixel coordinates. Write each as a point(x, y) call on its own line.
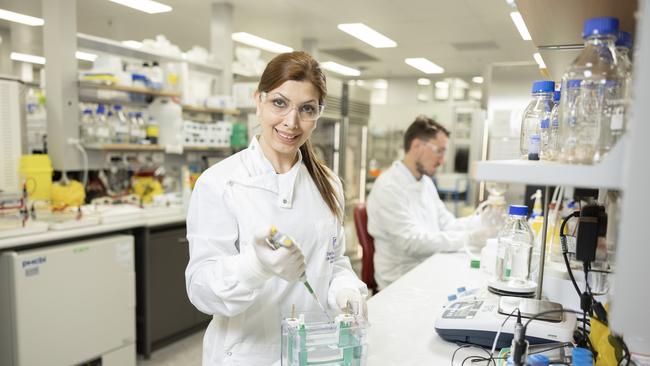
point(276, 240)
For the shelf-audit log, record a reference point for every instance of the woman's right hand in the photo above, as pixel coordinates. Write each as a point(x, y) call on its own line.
point(286, 263)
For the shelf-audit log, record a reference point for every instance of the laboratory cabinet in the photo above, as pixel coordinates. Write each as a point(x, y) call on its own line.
point(68, 304)
point(165, 313)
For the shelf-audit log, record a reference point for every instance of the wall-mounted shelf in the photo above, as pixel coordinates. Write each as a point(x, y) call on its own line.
point(117, 48)
point(606, 174)
point(124, 147)
point(130, 89)
point(139, 147)
point(197, 109)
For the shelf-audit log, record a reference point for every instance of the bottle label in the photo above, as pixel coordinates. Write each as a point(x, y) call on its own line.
point(152, 131)
point(545, 123)
point(617, 122)
point(102, 132)
point(534, 143)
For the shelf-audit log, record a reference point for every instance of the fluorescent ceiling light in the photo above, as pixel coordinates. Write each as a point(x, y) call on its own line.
point(380, 84)
point(442, 85)
point(20, 18)
point(24, 57)
point(132, 44)
point(424, 65)
point(340, 69)
point(477, 79)
point(424, 81)
point(540, 61)
point(367, 34)
point(521, 26)
point(86, 56)
point(147, 6)
point(259, 42)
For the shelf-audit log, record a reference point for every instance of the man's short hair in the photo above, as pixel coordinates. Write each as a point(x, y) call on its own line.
point(423, 128)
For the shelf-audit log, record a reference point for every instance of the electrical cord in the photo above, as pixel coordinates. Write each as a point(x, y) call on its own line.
point(453, 356)
point(496, 338)
point(565, 249)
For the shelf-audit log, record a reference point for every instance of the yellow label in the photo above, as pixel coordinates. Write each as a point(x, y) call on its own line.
point(152, 131)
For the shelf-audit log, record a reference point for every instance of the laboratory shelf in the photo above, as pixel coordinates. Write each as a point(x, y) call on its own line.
point(124, 147)
point(199, 109)
point(568, 18)
point(139, 147)
point(606, 174)
point(130, 89)
point(110, 46)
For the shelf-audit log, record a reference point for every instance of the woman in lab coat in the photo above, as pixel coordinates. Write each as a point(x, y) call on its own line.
point(232, 273)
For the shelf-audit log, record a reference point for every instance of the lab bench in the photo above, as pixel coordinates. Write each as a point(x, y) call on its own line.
point(402, 316)
point(163, 311)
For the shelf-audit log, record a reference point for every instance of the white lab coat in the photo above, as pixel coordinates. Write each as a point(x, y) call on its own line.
point(409, 223)
point(230, 202)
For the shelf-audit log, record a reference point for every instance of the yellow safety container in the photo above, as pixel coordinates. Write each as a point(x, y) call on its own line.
point(36, 171)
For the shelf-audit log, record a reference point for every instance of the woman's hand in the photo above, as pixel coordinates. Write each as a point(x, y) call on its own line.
point(286, 263)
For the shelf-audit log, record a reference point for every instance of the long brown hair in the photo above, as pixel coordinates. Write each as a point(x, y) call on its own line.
point(300, 66)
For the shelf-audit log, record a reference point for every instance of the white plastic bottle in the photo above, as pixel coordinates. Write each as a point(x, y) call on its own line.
point(592, 73)
point(514, 251)
point(536, 117)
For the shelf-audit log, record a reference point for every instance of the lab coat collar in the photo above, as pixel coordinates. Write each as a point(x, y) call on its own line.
point(263, 175)
point(404, 170)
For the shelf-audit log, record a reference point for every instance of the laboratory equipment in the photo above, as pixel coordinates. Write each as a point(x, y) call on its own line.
point(478, 321)
point(103, 130)
point(493, 210)
point(589, 86)
point(87, 127)
point(275, 240)
point(310, 339)
point(69, 304)
point(536, 117)
point(514, 252)
point(120, 125)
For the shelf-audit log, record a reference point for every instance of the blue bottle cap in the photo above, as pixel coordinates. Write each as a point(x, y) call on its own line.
point(518, 210)
point(451, 297)
point(624, 40)
point(543, 86)
point(556, 96)
point(88, 111)
point(538, 360)
point(581, 357)
point(461, 289)
point(600, 26)
point(575, 83)
point(117, 107)
point(100, 108)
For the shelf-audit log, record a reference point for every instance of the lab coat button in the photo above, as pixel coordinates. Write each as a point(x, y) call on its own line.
point(230, 183)
point(284, 201)
point(229, 353)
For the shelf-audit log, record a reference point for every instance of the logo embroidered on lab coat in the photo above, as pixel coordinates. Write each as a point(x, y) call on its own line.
point(332, 252)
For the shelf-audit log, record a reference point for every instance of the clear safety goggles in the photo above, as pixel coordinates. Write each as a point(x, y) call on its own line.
point(281, 106)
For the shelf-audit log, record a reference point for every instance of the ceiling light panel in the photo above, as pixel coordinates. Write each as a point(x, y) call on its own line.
point(132, 44)
point(259, 42)
point(85, 56)
point(477, 79)
point(147, 6)
point(540, 61)
point(340, 69)
point(521, 25)
point(24, 57)
point(20, 18)
point(424, 81)
point(367, 35)
point(424, 65)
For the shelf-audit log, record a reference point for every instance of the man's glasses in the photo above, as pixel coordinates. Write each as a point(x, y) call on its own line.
point(436, 149)
point(281, 106)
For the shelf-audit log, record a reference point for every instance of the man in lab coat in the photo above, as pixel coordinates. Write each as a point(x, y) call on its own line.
point(406, 217)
